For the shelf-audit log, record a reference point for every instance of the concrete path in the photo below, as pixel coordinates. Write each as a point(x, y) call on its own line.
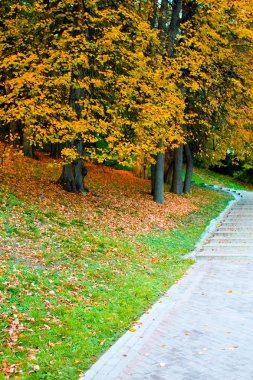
point(202, 329)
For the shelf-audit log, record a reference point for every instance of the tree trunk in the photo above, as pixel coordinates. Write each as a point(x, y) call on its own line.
point(174, 26)
point(153, 170)
point(153, 15)
point(54, 150)
point(140, 169)
point(28, 149)
point(157, 170)
point(177, 183)
point(16, 134)
point(73, 174)
point(163, 19)
point(189, 168)
point(174, 30)
point(168, 167)
point(159, 179)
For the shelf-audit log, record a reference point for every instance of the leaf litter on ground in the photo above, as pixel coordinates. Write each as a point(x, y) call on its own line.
point(77, 270)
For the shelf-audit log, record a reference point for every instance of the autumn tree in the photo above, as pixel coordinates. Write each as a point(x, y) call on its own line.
point(218, 57)
point(128, 80)
point(203, 40)
point(87, 77)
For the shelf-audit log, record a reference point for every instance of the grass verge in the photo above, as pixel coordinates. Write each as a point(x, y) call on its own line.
point(212, 178)
point(70, 284)
point(61, 312)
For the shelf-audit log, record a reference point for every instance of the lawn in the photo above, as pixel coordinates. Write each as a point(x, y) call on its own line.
point(211, 178)
point(79, 270)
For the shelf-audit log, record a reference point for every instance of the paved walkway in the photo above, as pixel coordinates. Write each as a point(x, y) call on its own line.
point(202, 329)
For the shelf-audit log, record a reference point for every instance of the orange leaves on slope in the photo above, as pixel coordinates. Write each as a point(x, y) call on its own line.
point(117, 200)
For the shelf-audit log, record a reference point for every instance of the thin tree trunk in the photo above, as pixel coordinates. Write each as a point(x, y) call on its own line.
point(163, 19)
point(28, 149)
point(174, 26)
point(16, 133)
point(189, 168)
point(54, 150)
point(168, 167)
point(153, 176)
point(153, 15)
point(158, 182)
point(159, 179)
point(140, 169)
point(168, 174)
point(177, 182)
point(181, 11)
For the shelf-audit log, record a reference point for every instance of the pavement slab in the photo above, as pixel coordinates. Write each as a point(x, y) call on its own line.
point(201, 329)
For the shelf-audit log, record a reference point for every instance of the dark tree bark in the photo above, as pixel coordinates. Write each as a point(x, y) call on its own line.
point(159, 179)
point(153, 176)
point(182, 11)
point(73, 174)
point(177, 182)
point(16, 133)
point(54, 151)
point(28, 149)
point(158, 182)
point(174, 26)
point(169, 174)
point(168, 167)
point(163, 19)
point(153, 15)
point(189, 168)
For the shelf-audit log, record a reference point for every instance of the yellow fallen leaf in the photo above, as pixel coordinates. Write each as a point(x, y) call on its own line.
point(132, 329)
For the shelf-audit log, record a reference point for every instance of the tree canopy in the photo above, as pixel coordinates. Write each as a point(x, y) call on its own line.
point(128, 80)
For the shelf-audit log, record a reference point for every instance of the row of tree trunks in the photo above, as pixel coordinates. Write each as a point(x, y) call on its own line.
point(178, 185)
point(169, 169)
point(181, 11)
point(168, 36)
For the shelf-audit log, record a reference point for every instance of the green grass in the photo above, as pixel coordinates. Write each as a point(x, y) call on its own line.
point(211, 178)
point(76, 290)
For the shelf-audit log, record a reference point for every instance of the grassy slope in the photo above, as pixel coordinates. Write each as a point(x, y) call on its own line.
point(212, 178)
point(77, 271)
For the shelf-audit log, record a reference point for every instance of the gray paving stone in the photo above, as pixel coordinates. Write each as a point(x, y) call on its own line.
point(202, 329)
